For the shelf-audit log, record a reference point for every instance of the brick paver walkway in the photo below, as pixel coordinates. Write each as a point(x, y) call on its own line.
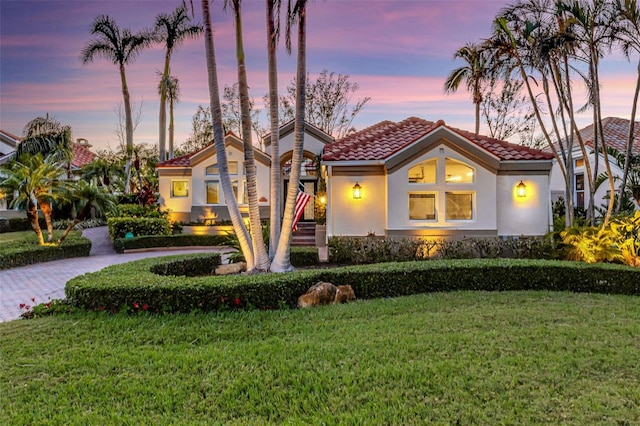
point(44, 281)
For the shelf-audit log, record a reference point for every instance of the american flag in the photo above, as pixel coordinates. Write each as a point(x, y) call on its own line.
point(301, 202)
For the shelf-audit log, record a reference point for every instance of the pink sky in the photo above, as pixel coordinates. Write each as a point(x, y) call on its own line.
point(399, 52)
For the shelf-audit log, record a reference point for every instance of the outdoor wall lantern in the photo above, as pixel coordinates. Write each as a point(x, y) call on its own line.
point(323, 199)
point(521, 189)
point(357, 191)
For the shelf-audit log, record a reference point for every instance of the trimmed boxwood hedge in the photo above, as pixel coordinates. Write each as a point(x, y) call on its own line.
point(73, 246)
point(119, 226)
point(191, 267)
point(153, 241)
point(122, 286)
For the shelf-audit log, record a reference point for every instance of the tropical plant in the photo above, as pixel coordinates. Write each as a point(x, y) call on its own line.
point(47, 136)
point(88, 197)
point(35, 180)
point(107, 172)
point(121, 47)
point(173, 30)
point(474, 74)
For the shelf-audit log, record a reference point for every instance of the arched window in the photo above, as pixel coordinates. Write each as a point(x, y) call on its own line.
point(458, 172)
point(424, 172)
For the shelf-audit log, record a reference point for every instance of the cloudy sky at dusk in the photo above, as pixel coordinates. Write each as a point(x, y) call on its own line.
point(399, 52)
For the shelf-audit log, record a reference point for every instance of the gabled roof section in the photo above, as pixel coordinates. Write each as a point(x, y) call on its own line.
point(8, 142)
point(289, 127)
point(381, 141)
point(616, 134)
point(196, 157)
point(81, 155)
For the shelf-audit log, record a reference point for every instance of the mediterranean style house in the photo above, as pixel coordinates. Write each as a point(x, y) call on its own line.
point(190, 184)
point(616, 132)
point(411, 178)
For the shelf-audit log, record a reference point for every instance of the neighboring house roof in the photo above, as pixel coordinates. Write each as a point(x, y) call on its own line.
point(8, 144)
point(381, 141)
point(81, 155)
point(195, 157)
point(616, 134)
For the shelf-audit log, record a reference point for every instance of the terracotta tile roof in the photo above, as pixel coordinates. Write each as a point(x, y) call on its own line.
point(616, 132)
point(81, 155)
point(182, 161)
point(382, 140)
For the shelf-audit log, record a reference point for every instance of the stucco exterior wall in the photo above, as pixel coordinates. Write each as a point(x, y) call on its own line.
point(528, 215)
point(483, 189)
point(347, 216)
point(311, 144)
point(179, 207)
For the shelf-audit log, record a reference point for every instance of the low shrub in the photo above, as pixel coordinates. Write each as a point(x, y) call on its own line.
point(304, 256)
point(365, 250)
point(178, 240)
point(119, 226)
point(136, 210)
point(196, 266)
point(121, 286)
point(30, 252)
point(18, 224)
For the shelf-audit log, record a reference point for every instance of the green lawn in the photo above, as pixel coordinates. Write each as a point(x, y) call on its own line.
point(467, 358)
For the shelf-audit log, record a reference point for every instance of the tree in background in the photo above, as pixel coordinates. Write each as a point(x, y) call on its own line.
point(201, 132)
point(474, 74)
point(231, 114)
point(173, 95)
point(172, 30)
point(328, 103)
point(121, 47)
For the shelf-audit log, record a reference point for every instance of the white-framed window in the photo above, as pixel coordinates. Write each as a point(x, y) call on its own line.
point(579, 190)
point(579, 162)
point(215, 170)
point(458, 206)
point(179, 188)
point(424, 172)
point(441, 189)
point(212, 188)
point(422, 206)
point(458, 172)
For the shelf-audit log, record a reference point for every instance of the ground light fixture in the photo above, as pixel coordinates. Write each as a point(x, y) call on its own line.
point(357, 191)
point(521, 189)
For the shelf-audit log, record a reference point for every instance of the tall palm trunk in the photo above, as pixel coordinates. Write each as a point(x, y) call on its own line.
point(45, 207)
point(32, 214)
point(218, 137)
point(259, 250)
point(630, 137)
point(275, 177)
point(171, 128)
point(281, 261)
point(128, 128)
point(162, 115)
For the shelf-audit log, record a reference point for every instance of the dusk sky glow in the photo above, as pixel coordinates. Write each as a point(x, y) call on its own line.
point(399, 52)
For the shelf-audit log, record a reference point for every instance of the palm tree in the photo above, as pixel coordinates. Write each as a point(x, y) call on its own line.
point(173, 30)
point(104, 172)
point(474, 74)
point(88, 196)
point(34, 178)
point(121, 47)
point(259, 251)
point(296, 13)
point(273, 28)
point(47, 136)
point(173, 94)
point(629, 14)
point(244, 238)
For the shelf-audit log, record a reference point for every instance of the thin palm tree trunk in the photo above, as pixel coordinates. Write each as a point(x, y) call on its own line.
point(32, 214)
point(630, 137)
point(259, 250)
point(281, 261)
point(45, 207)
point(275, 177)
point(218, 137)
point(128, 128)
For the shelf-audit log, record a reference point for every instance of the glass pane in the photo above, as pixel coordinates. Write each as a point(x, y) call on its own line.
point(458, 206)
point(424, 172)
point(580, 182)
point(180, 188)
point(214, 170)
point(422, 206)
point(213, 193)
point(457, 172)
point(234, 186)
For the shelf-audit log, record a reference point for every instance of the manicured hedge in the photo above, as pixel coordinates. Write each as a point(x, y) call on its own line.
point(304, 256)
point(119, 226)
point(121, 286)
point(191, 267)
point(17, 224)
point(73, 246)
point(179, 240)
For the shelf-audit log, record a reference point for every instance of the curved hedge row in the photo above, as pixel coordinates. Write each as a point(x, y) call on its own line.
point(153, 241)
point(73, 246)
point(123, 286)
